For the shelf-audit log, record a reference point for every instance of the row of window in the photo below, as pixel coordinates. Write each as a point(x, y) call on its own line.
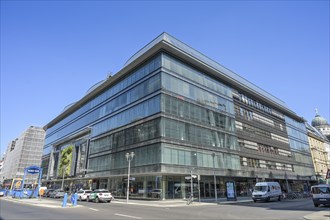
point(133, 135)
point(142, 110)
point(263, 148)
point(173, 155)
point(249, 115)
point(297, 134)
point(146, 155)
point(256, 163)
point(202, 96)
point(168, 154)
point(195, 76)
point(255, 132)
point(191, 112)
point(298, 145)
point(166, 128)
point(303, 158)
point(197, 135)
point(143, 71)
point(304, 170)
point(259, 106)
point(145, 88)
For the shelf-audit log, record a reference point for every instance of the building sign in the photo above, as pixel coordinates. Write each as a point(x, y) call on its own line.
point(33, 170)
point(328, 174)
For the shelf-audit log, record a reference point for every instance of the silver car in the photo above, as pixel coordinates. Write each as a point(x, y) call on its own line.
point(57, 194)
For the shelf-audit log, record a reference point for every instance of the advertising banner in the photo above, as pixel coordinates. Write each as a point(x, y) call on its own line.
point(66, 161)
point(231, 191)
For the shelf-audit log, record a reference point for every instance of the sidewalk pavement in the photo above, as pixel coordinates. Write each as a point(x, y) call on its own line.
point(320, 215)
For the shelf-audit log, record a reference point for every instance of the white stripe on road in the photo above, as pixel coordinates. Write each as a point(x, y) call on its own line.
point(128, 216)
point(94, 209)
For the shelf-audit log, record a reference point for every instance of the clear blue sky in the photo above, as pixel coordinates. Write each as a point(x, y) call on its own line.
point(53, 51)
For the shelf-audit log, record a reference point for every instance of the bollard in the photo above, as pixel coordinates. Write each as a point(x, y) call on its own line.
point(65, 198)
point(72, 198)
point(75, 199)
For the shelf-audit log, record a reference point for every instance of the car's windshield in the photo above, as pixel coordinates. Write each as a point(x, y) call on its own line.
point(260, 188)
point(323, 190)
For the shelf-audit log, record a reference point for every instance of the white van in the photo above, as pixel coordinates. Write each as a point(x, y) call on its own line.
point(321, 194)
point(265, 191)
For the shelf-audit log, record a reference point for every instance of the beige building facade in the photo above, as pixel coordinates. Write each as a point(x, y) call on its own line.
point(318, 144)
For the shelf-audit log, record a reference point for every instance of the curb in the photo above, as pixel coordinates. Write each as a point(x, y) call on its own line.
point(319, 215)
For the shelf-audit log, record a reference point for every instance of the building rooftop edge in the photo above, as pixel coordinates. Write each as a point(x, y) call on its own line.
point(198, 55)
point(157, 44)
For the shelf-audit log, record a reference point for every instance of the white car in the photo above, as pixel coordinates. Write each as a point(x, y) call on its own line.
point(265, 191)
point(83, 194)
point(321, 194)
point(100, 195)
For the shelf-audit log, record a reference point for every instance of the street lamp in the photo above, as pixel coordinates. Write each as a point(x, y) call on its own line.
point(63, 173)
point(129, 157)
point(191, 183)
point(215, 180)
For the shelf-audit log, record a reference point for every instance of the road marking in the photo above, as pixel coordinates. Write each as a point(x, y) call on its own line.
point(96, 210)
point(128, 216)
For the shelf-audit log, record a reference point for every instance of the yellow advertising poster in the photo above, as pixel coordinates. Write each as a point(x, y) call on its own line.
point(17, 183)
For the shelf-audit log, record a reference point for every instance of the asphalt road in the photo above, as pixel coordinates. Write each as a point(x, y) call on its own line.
point(294, 209)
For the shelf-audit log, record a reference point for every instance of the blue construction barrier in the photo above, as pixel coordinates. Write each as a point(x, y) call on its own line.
point(65, 199)
point(22, 194)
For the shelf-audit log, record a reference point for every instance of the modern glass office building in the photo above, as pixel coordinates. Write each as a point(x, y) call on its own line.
point(181, 114)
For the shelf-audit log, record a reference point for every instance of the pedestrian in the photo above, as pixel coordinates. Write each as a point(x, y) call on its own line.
point(284, 194)
point(41, 192)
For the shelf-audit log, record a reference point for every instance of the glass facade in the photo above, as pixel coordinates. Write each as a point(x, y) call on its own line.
point(177, 119)
point(91, 111)
point(297, 133)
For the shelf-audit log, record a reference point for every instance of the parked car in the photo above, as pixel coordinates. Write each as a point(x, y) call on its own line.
point(48, 192)
point(2, 192)
point(83, 194)
point(58, 193)
point(100, 195)
point(156, 193)
point(321, 194)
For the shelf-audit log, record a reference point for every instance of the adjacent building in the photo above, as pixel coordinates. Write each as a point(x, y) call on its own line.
point(1, 166)
point(322, 125)
point(181, 113)
point(24, 151)
point(318, 144)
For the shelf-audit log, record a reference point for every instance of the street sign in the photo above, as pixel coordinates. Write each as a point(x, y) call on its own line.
point(33, 169)
point(189, 177)
point(130, 179)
